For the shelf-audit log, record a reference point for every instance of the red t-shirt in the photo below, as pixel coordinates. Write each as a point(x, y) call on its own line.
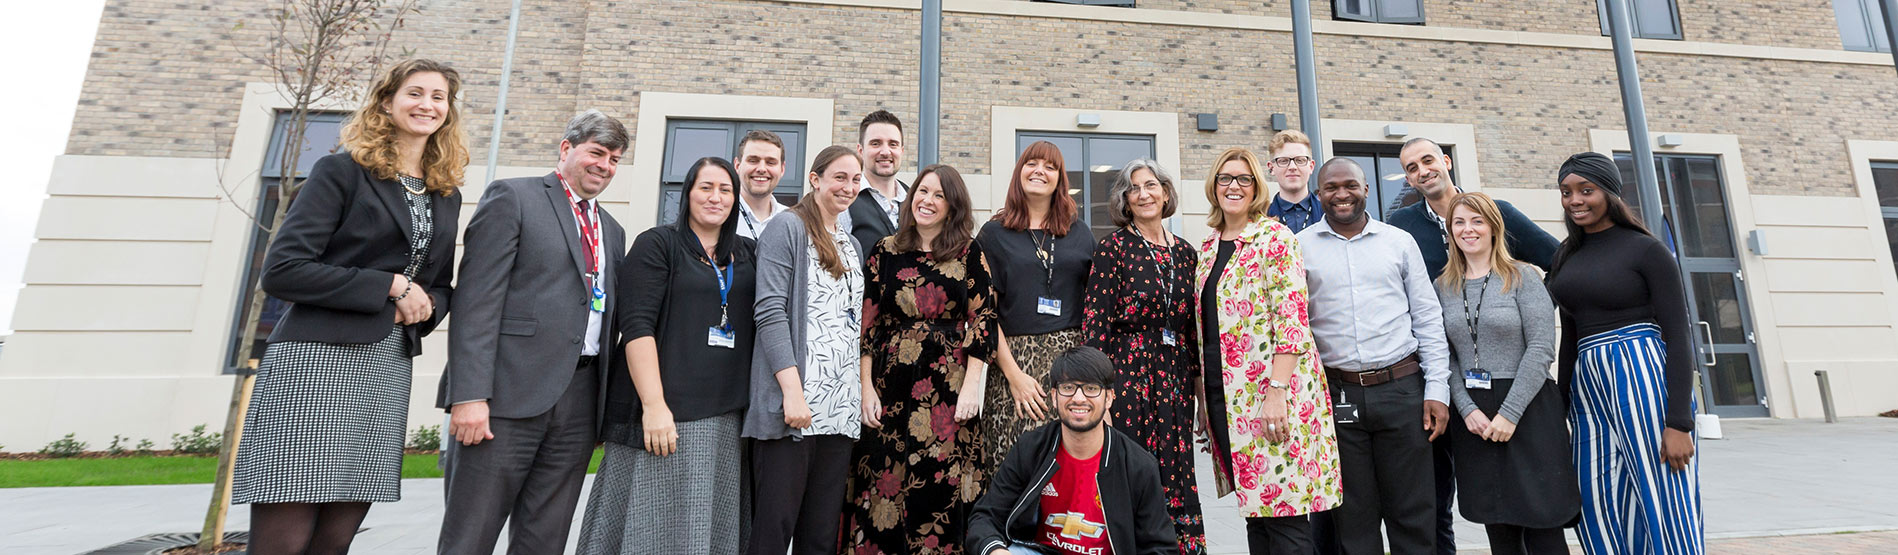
point(1071, 517)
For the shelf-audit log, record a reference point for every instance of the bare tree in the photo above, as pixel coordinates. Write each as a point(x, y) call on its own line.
point(319, 52)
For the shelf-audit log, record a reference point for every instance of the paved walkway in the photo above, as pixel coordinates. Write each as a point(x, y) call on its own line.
point(1769, 481)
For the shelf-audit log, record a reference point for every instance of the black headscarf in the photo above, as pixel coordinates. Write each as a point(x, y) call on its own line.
point(1594, 167)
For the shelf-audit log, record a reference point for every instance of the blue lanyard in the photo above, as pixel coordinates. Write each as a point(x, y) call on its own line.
point(724, 293)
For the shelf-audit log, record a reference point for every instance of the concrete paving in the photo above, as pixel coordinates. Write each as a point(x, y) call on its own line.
point(1768, 479)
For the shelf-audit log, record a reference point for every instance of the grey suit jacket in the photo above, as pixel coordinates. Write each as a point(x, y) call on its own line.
point(517, 333)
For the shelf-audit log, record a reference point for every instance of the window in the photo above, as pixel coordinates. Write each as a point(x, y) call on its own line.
point(1093, 162)
point(1861, 25)
point(1389, 189)
point(1653, 19)
point(689, 140)
point(1885, 178)
point(320, 137)
point(1117, 3)
point(1379, 11)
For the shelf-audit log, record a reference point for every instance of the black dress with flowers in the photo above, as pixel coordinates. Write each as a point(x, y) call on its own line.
point(1137, 294)
point(912, 482)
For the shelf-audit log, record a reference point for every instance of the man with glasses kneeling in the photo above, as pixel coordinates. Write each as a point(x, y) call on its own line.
point(1078, 486)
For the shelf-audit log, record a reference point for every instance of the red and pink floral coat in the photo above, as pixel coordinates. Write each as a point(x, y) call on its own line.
point(1262, 312)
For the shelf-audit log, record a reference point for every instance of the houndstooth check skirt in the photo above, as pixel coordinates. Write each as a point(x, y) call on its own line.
point(326, 423)
point(692, 501)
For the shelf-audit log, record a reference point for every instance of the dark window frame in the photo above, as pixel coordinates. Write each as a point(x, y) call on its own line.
point(672, 176)
point(1113, 3)
point(1871, 22)
point(1673, 10)
point(1887, 211)
point(270, 177)
point(1375, 150)
point(1087, 188)
point(1375, 11)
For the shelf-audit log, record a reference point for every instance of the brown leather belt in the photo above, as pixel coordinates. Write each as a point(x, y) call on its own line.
point(1402, 368)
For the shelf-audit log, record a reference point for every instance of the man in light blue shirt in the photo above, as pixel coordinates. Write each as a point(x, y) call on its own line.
point(1379, 330)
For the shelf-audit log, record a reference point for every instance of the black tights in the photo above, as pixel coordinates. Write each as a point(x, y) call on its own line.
point(1505, 539)
point(304, 528)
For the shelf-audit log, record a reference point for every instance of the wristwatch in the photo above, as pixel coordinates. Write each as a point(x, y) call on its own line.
point(1275, 384)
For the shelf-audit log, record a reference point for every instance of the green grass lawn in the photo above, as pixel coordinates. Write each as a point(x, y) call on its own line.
point(140, 471)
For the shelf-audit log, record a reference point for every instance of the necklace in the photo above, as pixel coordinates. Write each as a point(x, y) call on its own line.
point(417, 190)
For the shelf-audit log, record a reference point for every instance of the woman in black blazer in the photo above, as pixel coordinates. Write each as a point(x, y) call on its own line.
point(365, 255)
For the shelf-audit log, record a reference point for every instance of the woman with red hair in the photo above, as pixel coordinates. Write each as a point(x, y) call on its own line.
point(1040, 252)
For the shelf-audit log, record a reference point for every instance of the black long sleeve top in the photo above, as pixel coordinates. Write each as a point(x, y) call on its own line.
point(1021, 279)
point(671, 295)
point(1618, 277)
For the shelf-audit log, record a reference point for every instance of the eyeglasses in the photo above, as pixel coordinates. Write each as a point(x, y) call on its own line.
point(1224, 180)
point(1090, 390)
point(1284, 162)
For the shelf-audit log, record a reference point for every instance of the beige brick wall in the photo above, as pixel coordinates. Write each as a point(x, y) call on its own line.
point(166, 78)
point(1531, 106)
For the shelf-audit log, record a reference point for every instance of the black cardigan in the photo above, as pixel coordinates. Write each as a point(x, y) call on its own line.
point(341, 244)
point(671, 295)
point(1129, 480)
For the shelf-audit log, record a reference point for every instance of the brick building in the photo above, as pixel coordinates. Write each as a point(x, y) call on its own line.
point(1778, 122)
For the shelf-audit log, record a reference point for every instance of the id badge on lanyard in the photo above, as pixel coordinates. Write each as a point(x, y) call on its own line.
point(722, 335)
point(599, 293)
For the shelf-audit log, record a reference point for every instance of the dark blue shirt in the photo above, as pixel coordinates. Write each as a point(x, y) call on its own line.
point(1295, 215)
point(1527, 241)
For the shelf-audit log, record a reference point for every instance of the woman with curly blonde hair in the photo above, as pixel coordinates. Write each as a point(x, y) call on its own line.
point(366, 255)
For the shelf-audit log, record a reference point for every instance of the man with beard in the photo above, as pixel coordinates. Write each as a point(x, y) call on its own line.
point(1378, 325)
point(1427, 169)
point(873, 216)
point(760, 164)
point(1077, 486)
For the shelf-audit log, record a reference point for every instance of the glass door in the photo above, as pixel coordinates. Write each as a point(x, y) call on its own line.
point(1700, 232)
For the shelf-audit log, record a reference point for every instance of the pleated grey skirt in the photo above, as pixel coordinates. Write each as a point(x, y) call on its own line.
point(689, 502)
point(326, 423)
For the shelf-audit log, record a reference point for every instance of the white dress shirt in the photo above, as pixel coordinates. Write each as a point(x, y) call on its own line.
point(1372, 303)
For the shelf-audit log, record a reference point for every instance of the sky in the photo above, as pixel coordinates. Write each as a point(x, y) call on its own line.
point(50, 41)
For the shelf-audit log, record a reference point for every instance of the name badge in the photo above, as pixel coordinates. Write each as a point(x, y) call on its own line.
point(1167, 336)
point(598, 304)
point(1345, 413)
point(1051, 307)
point(721, 338)
point(1476, 378)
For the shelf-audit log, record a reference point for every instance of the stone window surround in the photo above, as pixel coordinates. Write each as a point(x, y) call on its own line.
point(1006, 121)
point(1862, 154)
point(641, 181)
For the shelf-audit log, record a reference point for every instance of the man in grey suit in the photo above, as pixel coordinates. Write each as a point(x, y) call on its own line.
point(529, 347)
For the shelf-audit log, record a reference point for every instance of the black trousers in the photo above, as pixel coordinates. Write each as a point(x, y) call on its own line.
point(1446, 491)
point(1388, 470)
point(798, 494)
point(1266, 535)
point(1516, 540)
point(528, 477)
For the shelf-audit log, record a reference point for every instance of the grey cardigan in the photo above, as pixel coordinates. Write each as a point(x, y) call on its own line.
point(1517, 338)
point(780, 312)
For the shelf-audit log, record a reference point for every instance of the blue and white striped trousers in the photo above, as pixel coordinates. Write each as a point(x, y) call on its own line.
point(1633, 503)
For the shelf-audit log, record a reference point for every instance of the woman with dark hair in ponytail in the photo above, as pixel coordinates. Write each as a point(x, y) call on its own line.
point(671, 478)
point(1626, 362)
point(806, 395)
